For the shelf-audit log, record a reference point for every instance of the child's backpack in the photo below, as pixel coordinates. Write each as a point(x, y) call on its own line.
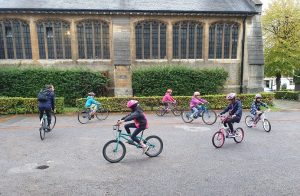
point(42, 96)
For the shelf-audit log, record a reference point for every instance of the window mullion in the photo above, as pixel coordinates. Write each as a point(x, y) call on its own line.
point(63, 41)
point(195, 41)
point(143, 41)
point(223, 40)
point(54, 40)
point(93, 35)
point(4, 40)
point(22, 40)
point(230, 41)
point(84, 40)
point(187, 40)
point(151, 40)
point(158, 41)
point(179, 41)
point(101, 38)
point(13, 39)
point(45, 40)
point(215, 45)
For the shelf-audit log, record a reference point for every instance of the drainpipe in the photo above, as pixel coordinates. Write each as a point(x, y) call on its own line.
point(243, 54)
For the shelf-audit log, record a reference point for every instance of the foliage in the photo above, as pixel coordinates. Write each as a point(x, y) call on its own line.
point(151, 103)
point(71, 84)
point(19, 105)
point(290, 95)
point(184, 80)
point(281, 27)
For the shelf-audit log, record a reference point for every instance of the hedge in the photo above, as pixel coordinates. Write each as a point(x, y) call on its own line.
point(151, 103)
point(183, 80)
point(19, 105)
point(71, 84)
point(290, 95)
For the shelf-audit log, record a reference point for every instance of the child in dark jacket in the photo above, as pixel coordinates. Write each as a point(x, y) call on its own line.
point(255, 108)
point(48, 104)
point(140, 122)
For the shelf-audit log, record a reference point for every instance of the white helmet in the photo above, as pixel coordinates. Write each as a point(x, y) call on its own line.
point(196, 93)
point(231, 96)
point(258, 96)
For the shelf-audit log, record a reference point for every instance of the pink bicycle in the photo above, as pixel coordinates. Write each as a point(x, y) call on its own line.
point(218, 138)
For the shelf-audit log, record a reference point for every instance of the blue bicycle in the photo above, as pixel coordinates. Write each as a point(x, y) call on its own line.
point(208, 116)
point(115, 150)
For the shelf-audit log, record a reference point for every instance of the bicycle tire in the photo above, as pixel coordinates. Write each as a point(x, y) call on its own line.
point(267, 129)
point(105, 151)
point(249, 121)
point(220, 137)
point(186, 117)
point(160, 111)
point(152, 145)
point(240, 132)
point(83, 116)
point(209, 115)
point(53, 121)
point(176, 112)
point(102, 114)
point(42, 129)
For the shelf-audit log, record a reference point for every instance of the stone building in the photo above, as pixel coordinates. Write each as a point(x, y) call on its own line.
point(116, 35)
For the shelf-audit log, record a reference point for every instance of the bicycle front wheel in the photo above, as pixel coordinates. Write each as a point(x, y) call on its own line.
point(42, 129)
point(83, 116)
point(53, 121)
point(155, 145)
point(218, 139)
point(114, 151)
point(209, 117)
point(266, 125)
point(160, 111)
point(102, 114)
point(238, 135)
point(186, 117)
point(249, 121)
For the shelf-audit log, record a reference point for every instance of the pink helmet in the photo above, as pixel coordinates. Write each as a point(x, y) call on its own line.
point(132, 103)
point(231, 96)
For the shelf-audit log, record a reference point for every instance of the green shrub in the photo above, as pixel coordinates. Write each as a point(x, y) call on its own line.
point(290, 95)
point(19, 105)
point(151, 103)
point(182, 79)
point(71, 84)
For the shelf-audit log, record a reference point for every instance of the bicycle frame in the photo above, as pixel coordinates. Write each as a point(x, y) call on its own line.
point(125, 136)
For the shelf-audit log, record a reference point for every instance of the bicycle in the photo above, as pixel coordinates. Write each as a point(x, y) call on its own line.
point(218, 138)
point(85, 115)
point(115, 150)
point(209, 117)
point(250, 121)
point(44, 124)
point(162, 110)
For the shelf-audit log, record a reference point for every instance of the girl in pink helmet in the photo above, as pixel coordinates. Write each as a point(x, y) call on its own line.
point(140, 122)
point(168, 99)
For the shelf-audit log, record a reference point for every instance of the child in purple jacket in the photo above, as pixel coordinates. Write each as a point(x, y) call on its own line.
point(196, 104)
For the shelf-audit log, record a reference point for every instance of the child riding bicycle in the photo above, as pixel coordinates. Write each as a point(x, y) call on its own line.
point(235, 111)
point(140, 122)
point(255, 108)
point(92, 103)
point(168, 99)
point(196, 104)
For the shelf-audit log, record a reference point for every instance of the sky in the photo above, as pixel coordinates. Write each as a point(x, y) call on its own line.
point(265, 4)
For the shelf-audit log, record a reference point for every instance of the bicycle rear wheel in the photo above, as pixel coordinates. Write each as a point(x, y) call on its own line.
point(83, 116)
point(239, 135)
point(155, 145)
point(160, 111)
point(186, 117)
point(218, 139)
point(266, 125)
point(209, 117)
point(249, 121)
point(42, 129)
point(114, 151)
point(102, 114)
point(176, 111)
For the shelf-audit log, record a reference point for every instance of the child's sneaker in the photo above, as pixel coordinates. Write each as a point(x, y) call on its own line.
point(145, 148)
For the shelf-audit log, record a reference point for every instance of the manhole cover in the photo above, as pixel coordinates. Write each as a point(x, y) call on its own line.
point(42, 167)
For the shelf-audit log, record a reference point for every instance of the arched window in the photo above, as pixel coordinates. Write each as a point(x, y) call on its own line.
point(15, 40)
point(93, 40)
point(150, 39)
point(223, 41)
point(187, 40)
point(54, 39)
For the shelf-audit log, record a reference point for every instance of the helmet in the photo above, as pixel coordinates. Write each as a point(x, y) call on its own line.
point(231, 96)
point(196, 93)
point(258, 96)
point(132, 103)
point(169, 90)
point(91, 93)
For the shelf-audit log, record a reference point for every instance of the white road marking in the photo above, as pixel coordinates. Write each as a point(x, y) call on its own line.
point(193, 129)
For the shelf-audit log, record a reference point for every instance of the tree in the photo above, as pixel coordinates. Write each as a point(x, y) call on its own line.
point(281, 28)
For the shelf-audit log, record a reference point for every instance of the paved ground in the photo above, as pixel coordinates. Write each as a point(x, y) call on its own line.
point(263, 164)
point(287, 105)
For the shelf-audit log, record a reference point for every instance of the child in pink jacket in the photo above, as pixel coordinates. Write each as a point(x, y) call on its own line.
point(196, 104)
point(168, 99)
